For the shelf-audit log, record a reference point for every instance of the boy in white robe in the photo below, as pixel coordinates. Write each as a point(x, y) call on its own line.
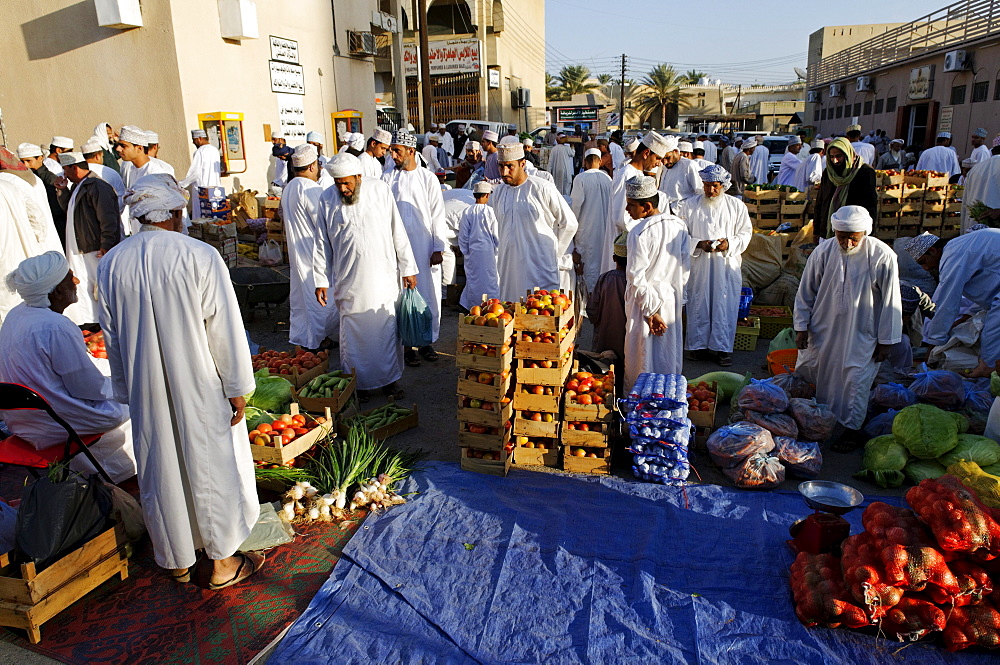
point(479, 241)
point(595, 235)
point(205, 169)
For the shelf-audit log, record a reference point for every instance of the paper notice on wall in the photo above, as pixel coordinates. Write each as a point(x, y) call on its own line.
point(446, 56)
point(292, 116)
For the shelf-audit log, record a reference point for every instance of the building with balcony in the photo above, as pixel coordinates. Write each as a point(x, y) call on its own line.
point(940, 72)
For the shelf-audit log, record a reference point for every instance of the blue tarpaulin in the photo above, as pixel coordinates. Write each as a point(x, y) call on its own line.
point(548, 568)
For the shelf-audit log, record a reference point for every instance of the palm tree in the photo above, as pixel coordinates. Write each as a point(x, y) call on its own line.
point(604, 79)
point(660, 93)
point(553, 92)
point(692, 76)
point(573, 81)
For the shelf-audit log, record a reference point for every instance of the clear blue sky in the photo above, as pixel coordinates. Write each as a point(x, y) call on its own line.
point(739, 41)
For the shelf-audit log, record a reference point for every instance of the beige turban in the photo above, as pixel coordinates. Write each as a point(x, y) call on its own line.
point(344, 165)
point(35, 277)
point(154, 197)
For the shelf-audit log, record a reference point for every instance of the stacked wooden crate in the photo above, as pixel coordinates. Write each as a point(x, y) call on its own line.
point(890, 192)
point(588, 413)
point(951, 224)
point(793, 208)
point(770, 208)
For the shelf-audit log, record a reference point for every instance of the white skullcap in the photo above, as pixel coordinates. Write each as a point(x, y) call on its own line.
point(61, 142)
point(473, 145)
point(685, 146)
point(510, 152)
point(434, 125)
point(154, 197)
point(35, 277)
point(344, 165)
point(433, 138)
point(314, 137)
point(132, 134)
point(404, 138)
point(749, 143)
point(26, 150)
point(981, 133)
point(304, 155)
point(632, 145)
point(795, 140)
point(277, 134)
point(490, 135)
point(70, 158)
point(918, 246)
point(199, 134)
point(944, 135)
point(356, 141)
point(482, 187)
point(528, 142)
point(508, 139)
point(152, 138)
point(382, 136)
point(91, 146)
point(659, 144)
point(640, 187)
point(854, 128)
point(699, 145)
point(899, 141)
point(818, 143)
point(852, 219)
point(591, 151)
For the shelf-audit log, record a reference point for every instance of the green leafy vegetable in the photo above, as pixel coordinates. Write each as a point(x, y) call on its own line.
point(918, 470)
point(926, 431)
point(883, 462)
point(972, 448)
point(995, 384)
point(469, 546)
point(271, 394)
point(729, 383)
point(256, 416)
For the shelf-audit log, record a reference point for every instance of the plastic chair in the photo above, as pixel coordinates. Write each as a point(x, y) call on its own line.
point(18, 452)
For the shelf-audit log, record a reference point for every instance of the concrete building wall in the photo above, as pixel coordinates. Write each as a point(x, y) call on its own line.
point(827, 41)
point(519, 51)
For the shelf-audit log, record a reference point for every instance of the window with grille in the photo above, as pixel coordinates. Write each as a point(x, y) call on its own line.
point(890, 104)
point(980, 91)
point(957, 94)
point(868, 107)
point(879, 106)
point(840, 111)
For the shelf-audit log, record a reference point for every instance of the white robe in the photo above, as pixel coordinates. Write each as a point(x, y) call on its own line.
point(421, 205)
point(448, 143)
point(760, 164)
point(980, 154)
point(45, 351)
point(163, 166)
point(616, 205)
point(13, 217)
point(430, 152)
point(790, 164)
point(939, 158)
point(111, 177)
point(982, 183)
point(713, 296)
point(595, 235)
point(456, 202)
point(536, 228)
point(39, 234)
point(205, 171)
point(84, 267)
point(177, 354)
point(848, 304)
point(370, 167)
point(479, 241)
point(970, 268)
point(308, 321)
point(367, 249)
point(809, 172)
point(561, 167)
point(618, 158)
point(131, 175)
point(680, 181)
point(711, 151)
point(659, 261)
point(866, 151)
point(53, 165)
point(728, 155)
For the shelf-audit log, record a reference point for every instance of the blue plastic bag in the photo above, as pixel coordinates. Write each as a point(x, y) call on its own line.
point(881, 424)
point(978, 397)
point(893, 396)
point(413, 319)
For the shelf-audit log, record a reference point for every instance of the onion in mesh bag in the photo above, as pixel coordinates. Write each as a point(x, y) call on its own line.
point(778, 424)
point(816, 421)
point(762, 396)
point(803, 459)
point(760, 471)
point(731, 444)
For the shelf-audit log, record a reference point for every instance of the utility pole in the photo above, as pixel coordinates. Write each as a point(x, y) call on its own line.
point(398, 69)
point(621, 95)
point(425, 68)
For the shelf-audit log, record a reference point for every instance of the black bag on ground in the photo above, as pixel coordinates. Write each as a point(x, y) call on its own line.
point(55, 518)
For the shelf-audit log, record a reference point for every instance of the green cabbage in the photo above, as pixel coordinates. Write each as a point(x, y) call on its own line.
point(961, 421)
point(883, 462)
point(995, 384)
point(271, 394)
point(884, 479)
point(992, 469)
point(255, 417)
point(972, 448)
point(926, 431)
point(919, 469)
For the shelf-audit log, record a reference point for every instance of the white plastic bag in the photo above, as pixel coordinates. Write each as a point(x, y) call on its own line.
point(270, 253)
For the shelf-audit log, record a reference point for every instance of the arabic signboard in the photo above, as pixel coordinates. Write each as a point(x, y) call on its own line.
point(286, 77)
point(577, 114)
point(284, 50)
point(921, 82)
point(945, 118)
point(446, 56)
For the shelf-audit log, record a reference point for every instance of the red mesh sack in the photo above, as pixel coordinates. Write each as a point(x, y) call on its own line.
point(913, 618)
point(864, 576)
point(975, 625)
point(778, 424)
point(959, 522)
point(973, 582)
point(816, 421)
point(819, 593)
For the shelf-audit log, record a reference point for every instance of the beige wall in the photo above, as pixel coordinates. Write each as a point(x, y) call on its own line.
point(63, 74)
point(831, 39)
point(519, 51)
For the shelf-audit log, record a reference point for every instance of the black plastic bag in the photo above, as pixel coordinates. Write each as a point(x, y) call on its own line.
point(55, 518)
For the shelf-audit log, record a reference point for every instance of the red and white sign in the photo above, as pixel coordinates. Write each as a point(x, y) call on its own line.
point(448, 56)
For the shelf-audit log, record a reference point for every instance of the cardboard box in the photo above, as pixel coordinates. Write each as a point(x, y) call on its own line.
point(211, 193)
point(705, 418)
point(213, 230)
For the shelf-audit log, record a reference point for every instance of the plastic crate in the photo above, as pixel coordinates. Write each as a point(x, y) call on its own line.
point(746, 336)
point(782, 361)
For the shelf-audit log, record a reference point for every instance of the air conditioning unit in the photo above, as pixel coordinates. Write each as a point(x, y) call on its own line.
point(814, 97)
point(866, 84)
point(836, 89)
point(361, 43)
point(520, 98)
point(957, 61)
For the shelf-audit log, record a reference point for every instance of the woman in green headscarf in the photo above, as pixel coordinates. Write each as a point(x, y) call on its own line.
point(846, 181)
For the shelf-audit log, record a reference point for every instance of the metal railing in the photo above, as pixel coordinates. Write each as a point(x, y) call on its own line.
point(957, 23)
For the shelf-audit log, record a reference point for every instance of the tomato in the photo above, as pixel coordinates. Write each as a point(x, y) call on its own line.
point(299, 420)
point(299, 431)
point(254, 433)
point(265, 428)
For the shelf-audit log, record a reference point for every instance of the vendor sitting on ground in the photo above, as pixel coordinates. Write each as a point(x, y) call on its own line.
point(42, 349)
point(606, 305)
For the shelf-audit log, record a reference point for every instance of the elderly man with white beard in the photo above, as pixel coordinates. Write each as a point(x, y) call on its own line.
point(848, 312)
point(720, 231)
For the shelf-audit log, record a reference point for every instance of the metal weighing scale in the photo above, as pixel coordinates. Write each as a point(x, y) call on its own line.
point(824, 530)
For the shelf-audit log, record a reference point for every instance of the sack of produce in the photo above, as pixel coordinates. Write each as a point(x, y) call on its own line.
point(958, 520)
point(731, 444)
point(803, 459)
point(819, 593)
point(973, 582)
point(883, 462)
point(413, 319)
point(917, 470)
point(816, 421)
point(939, 387)
point(893, 396)
point(760, 471)
point(762, 396)
point(881, 424)
point(783, 340)
point(926, 431)
point(912, 619)
point(728, 383)
point(865, 578)
point(978, 397)
point(794, 385)
point(778, 424)
point(986, 484)
point(976, 625)
point(972, 448)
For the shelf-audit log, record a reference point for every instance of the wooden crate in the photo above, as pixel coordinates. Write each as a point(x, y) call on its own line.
point(706, 418)
point(889, 207)
point(768, 221)
point(536, 457)
point(490, 467)
point(932, 221)
point(908, 230)
point(300, 379)
point(596, 437)
point(933, 207)
point(589, 412)
point(533, 428)
point(926, 181)
point(538, 323)
point(795, 196)
point(498, 417)
point(950, 231)
point(953, 206)
point(889, 192)
point(489, 392)
point(393, 428)
point(911, 207)
point(601, 464)
point(763, 208)
point(542, 376)
point(495, 364)
point(299, 445)
point(746, 336)
point(336, 404)
point(770, 326)
point(937, 195)
point(28, 598)
point(484, 334)
point(543, 351)
point(756, 195)
point(467, 439)
point(886, 231)
point(911, 194)
point(531, 402)
point(909, 219)
point(793, 207)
